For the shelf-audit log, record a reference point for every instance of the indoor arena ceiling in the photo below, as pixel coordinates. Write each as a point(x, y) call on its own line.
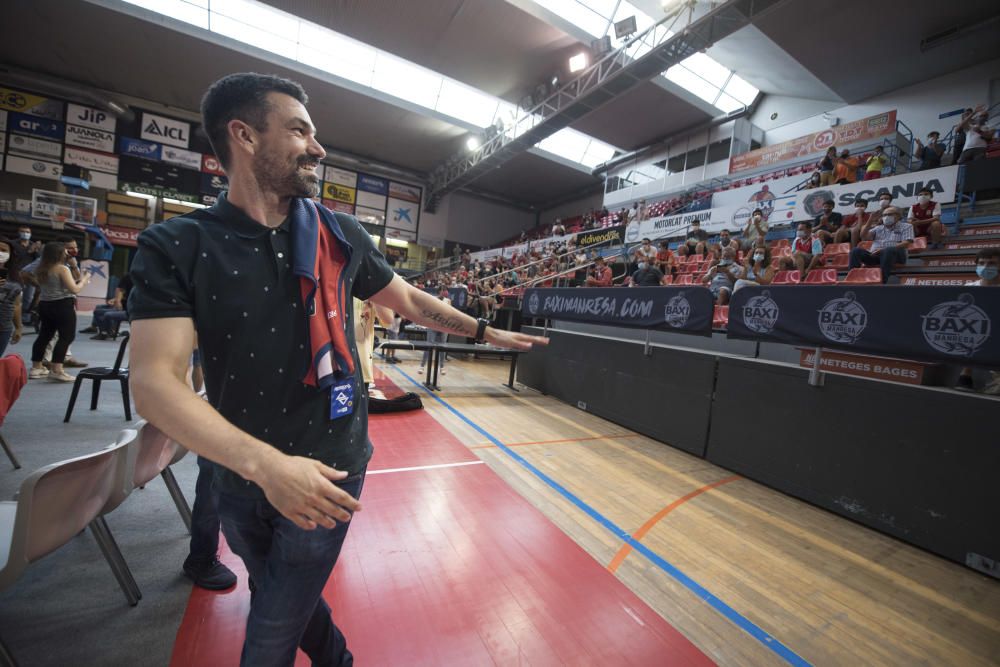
point(842, 50)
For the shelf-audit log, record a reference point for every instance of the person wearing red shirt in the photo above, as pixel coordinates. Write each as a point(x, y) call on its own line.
point(850, 227)
point(925, 216)
point(665, 259)
point(807, 251)
point(600, 274)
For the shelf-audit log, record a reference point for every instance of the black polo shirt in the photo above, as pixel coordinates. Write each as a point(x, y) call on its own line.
point(233, 277)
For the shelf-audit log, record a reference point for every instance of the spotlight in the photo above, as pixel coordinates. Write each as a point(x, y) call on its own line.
point(554, 81)
point(472, 143)
point(578, 62)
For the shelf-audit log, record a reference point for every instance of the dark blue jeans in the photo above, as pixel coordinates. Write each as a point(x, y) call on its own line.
point(105, 316)
point(289, 567)
point(204, 518)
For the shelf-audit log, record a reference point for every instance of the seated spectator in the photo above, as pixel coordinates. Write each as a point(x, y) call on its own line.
point(846, 170)
point(10, 303)
point(755, 230)
point(988, 270)
point(807, 251)
point(875, 164)
point(828, 223)
point(727, 241)
point(930, 153)
point(977, 137)
point(600, 274)
point(757, 269)
point(665, 260)
point(826, 166)
point(850, 228)
point(106, 316)
point(558, 229)
point(890, 243)
point(697, 239)
point(722, 277)
point(647, 275)
point(813, 182)
point(925, 216)
point(645, 252)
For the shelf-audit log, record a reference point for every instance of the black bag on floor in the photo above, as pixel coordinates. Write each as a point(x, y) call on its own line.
point(408, 401)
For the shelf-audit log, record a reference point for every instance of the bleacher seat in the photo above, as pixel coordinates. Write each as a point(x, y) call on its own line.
point(865, 245)
point(837, 249)
point(864, 275)
point(720, 317)
point(820, 277)
point(919, 243)
point(668, 280)
point(684, 279)
point(787, 278)
point(837, 261)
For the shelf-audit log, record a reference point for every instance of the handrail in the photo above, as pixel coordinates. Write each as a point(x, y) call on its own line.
point(538, 261)
point(555, 276)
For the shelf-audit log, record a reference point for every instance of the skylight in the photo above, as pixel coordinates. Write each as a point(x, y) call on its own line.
point(262, 26)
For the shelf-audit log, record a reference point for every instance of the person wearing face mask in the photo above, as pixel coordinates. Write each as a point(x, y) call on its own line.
point(727, 241)
point(665, 260)
point(645, 252)
point(757, 269)
point(647, 275)
point(23, 251)
point(10, 303)
point(813, 182)
point(755, 230)
point(722, 277)
point(850, 230)
point(978, 135)
point(988, 271)
point(826, 166)
point(875, 164)
point(925, 216)
point(807, 251)
point(891, 241)
point(930, 153)
point(846, 170)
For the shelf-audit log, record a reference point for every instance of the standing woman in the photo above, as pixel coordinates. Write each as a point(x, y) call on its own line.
point(57, 310)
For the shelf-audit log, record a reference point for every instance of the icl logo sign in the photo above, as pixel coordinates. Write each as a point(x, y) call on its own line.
point(165, 130)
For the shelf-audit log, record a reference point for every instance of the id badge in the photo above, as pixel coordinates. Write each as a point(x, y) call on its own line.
point(342, 399)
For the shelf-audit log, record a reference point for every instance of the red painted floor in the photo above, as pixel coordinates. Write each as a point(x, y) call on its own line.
point(449, 566)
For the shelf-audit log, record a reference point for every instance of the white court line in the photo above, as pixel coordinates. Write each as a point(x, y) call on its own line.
point(432, 467)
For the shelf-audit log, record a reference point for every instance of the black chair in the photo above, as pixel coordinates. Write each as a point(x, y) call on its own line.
point(99, 374)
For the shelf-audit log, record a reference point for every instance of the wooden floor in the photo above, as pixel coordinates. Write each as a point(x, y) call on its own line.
point(831, 591)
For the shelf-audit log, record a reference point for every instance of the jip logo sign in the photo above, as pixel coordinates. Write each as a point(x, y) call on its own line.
point(957, 327)
point(843, 320)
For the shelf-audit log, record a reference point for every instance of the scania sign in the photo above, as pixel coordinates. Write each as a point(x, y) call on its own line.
point(165, 130)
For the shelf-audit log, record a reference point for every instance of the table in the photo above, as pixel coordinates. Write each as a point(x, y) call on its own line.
point(436, 349)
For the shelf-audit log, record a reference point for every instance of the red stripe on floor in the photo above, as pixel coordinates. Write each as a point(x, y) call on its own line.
point(451, 566)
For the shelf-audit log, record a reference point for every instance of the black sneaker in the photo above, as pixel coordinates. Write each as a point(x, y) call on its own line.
point(90, 329)
point(213, 575)
point(965, 383)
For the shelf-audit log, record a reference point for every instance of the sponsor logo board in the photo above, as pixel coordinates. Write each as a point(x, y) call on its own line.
point(138, 148)
point(19, 123)
point(843, 320)
point(36, 105)
point(99, 179)
point(213, 185)
point(33, 167)
point(77, 114)
point(91, 160)
point(89, 137)
point(181, 157)
point(340, 176)
point(846, 363)
point(123, 236)
point(34, 147)
point(161, 129)
point(410, 193)
point(211, 165)
point(958, 327)
point(379, 186)
point(339, 193)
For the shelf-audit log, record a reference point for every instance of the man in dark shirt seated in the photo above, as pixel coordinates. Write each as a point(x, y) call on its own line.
point(697, 240)
point(827, 224)
point(647, 275)
point(111, 315)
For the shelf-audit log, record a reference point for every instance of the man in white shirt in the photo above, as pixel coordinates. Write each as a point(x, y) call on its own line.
point(891, 241)
point(977, 137)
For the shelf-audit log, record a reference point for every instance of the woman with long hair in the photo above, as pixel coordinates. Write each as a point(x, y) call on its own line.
point(57, 311)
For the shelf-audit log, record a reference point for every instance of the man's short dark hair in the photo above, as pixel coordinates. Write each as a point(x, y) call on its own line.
point(724, 231)
point(923, 190)
point(933, 133)
point(243, 97)
point(988, 253)
point(758, 210)
point(885, 194)
point(860, 201)
point(646, 240)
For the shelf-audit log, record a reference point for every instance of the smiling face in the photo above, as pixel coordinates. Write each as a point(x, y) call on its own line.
point(287, 159)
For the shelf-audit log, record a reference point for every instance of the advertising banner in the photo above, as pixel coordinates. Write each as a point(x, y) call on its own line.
point(401, 234)
point(370, 216)
point(123, 236)
point(36, 105)
point(340, 176)
point(339, 206)
point(942, 183)
point(77, 114)
point(158, 174)
point(88, 137)
point(139, 148)
point(600, 237)
point(46, 128)
point(92, 161)
point(181, 157)
point(97, 288)
point(158, 191)
point(405, 192)
point(160, 129)
point(402, 214)
point(3, 141)
point(30, 146)
point(211, 165)
point(816, 143)
point(374, 184)
point(98, 179)
point(32, 167)
point(213, 185)
point(338, 193)
point(934, 323)
point(371, 200)
point(679, 309)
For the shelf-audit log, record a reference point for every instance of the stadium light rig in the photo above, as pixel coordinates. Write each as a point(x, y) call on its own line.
point(472, 143)
point(578, 62)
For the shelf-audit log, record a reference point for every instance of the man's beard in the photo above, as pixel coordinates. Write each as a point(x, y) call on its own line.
point(286, 180)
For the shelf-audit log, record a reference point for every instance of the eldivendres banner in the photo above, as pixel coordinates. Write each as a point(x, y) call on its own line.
point(816, 143)
point(600, 238)
point(733, 208)
point(951, 324)
point(680, 309)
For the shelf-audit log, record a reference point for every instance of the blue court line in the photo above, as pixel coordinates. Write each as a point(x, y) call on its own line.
point(734, 616)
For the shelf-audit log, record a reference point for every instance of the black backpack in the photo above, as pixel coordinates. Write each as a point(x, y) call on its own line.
point(404, 403)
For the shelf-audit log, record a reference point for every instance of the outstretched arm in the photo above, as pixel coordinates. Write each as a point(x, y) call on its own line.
point(422, 308)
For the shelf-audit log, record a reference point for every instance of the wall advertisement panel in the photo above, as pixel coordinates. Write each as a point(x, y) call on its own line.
point(88, 137)
point(35, 105)
point(77, 114)
point(34, 147)
point(339, 193)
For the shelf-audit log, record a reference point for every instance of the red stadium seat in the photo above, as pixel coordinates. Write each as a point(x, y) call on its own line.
point(837, 261)
point(820, 277)
point(919, 243)
point(781, 243)
point(837, 249)
point(668, 280)
point(870, 275)
point(787, 278)
point(720, 318)
point(865, 245)
point(684, 279)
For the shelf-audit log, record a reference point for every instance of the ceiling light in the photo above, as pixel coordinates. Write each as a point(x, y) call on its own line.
point(578, 62)
point(191, 204)
point(398, 243)
point(141, 195)
point(472, 143)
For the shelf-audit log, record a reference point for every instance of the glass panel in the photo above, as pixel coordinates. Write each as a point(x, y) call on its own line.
point(258, 15)
point(176, 9)
point(466, 104)
point(727, 103)
point(741, 90)
point(576, 14)
point(405, 80)
point(603, 7)
point(262, 39)
point(693, 83)
point(566, 143)
point(708, 69)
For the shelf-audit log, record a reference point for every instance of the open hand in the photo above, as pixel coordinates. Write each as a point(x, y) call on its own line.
point(513, 340)
point(302, 489)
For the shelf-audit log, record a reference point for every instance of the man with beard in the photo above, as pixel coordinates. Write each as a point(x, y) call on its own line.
point(286, 418)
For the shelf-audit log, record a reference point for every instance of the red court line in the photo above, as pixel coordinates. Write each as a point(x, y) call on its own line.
point(626, 548)
point(450, 566)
